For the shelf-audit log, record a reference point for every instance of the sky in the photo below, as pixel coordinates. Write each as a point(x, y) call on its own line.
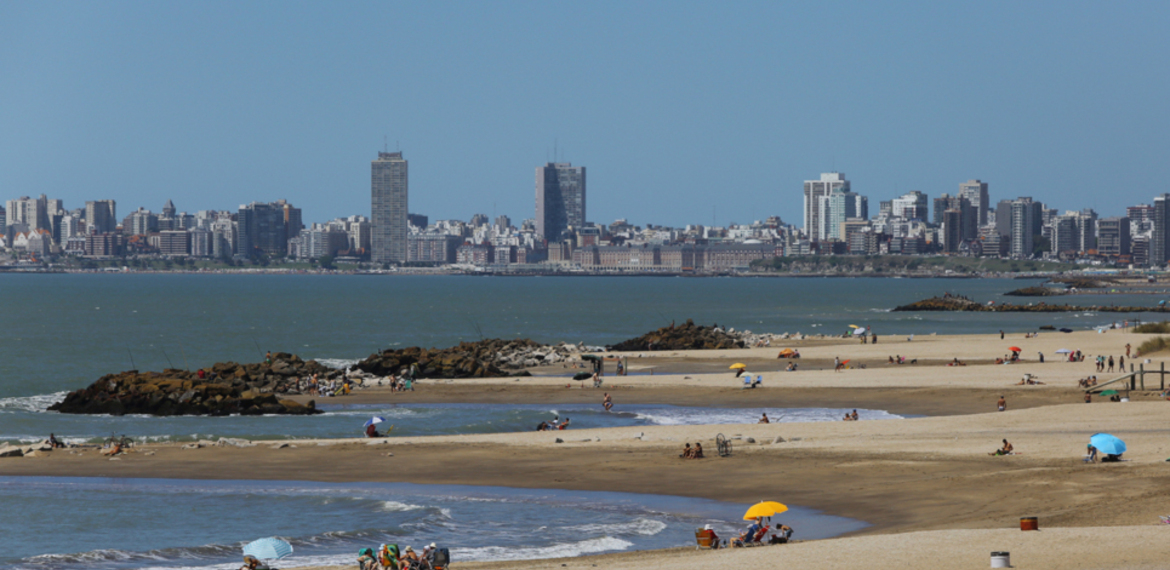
point(682, 112)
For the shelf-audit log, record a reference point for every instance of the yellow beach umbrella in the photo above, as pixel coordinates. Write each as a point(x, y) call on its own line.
point(854, 327)
point(764, 509)
point(737, 366)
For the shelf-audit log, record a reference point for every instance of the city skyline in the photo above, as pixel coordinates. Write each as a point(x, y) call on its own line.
point(674, 109)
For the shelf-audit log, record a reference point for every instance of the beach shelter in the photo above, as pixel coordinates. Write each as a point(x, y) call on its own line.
point(268, 548)
point(1063, 351)
point(582, 376)
point(859, 331)
point(786, 353)
point(737, 366)
point(854, 327)
point(1107, 444)
point(372, 421)
point(1109, 393)
point(764, 509)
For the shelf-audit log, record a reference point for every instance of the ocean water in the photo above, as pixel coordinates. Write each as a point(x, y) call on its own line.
point(116, 524)
point(60, 332)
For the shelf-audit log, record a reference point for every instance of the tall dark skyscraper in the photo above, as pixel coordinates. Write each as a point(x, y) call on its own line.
point(1160, 238)
point(560, 199)
point(388, 208)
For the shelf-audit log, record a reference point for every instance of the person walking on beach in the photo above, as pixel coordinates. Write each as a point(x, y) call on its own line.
point(1127, 349)
point(607, 403)
point(1111, 363)
point(1000, 334)
point(1001, 405)
point(1041, 357)
point(1121, 364)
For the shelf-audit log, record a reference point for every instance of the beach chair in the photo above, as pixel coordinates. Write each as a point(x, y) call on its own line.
point(705, 539)
point(441, 558)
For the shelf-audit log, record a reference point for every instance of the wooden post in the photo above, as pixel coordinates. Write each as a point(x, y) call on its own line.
point(1162, 376)
point(1142, 371)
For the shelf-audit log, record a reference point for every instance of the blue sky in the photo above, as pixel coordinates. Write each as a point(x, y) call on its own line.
point(683, 112)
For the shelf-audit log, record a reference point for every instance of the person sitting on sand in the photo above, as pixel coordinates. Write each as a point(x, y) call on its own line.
point(607, 402)
point(853, 416)
point(783, 533)
point(791, 367)
point(1005, 450)
point(112, 450)
point(1001, 404)
point(409, 559)
point(763, 419)
point(253, 563)
point(54, 442)
point(687, 452)
point(372, 430)
point(847, 417)
point(749, 534)
point(564, 424)
point(697, 453)
point(366, 560)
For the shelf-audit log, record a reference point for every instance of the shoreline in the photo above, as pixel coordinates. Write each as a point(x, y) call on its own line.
point(916, 481)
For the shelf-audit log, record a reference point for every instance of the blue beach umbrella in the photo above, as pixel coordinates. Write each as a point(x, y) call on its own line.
point(268, 548)
point(1107, 444)
point(373, 420)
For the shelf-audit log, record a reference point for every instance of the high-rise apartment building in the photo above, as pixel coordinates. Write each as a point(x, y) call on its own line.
point(262, 228)
point(1113, 236)
point(839, 205)
point(388, 208)
point(814, 190)
point(560, 199)
point(31, 212)
point(912, 206)
point(975, 191)
point(1023, 221)
point(1160, 237)
point(100, 216)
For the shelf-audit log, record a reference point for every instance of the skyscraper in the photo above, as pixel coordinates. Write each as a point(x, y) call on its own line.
point(100, 216)
point(975, 192)
point(837, 207)
point(560, 199)
point(814, 190)
point(388, 208)
point(1160, 238)
point(1023, 215)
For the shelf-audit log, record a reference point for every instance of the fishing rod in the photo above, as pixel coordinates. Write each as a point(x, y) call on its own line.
point(168, 358)
point(132, 365)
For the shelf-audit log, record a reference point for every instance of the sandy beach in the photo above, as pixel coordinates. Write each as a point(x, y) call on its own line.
point(931, 492)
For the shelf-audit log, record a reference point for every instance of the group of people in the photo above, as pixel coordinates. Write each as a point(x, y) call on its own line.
point(388, 557)
point(758, 530)
point(1087, 382)
point(553, 425)
point(851, 417)
point(695, 452)
point(1103, 363)
point(899, 359)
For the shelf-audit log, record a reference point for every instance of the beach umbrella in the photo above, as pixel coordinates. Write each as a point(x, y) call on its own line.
point(582, 376)
point(1109, 393)
point(737, 366)
point(845, 361)
point(859, 331)
point(1063, 351)
point(373, 420)
point(268, 548)
point(1107, 444)
point(854, 327)
point(1065, 330)
point(590, 357)
point(1161, 303)
point(764, 509)
point(1015, 349)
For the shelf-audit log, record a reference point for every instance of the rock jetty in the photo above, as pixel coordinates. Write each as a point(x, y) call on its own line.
point(489, 358)
point(960, 303)
point(1037, 292)
point(226, 388)
point(688, 336)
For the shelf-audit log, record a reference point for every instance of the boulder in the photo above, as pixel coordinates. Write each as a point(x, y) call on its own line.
point(11, 451)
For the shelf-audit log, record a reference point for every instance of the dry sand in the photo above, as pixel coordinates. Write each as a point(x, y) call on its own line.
point(934, 496)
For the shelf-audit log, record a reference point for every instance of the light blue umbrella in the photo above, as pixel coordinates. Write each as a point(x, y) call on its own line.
point(268, 548)
point(373, 420)
point(1107, 444)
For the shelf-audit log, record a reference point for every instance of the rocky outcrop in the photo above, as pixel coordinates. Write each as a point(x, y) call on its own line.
point(957, 303)
point(489, 358)
point(226, 388)
point(1037, 292)
point(689, 336)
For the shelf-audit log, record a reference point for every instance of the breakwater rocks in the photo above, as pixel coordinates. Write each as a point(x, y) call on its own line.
point(958, 303)
point(226, 388)
point(489, 358)
point(1037, 292)
point(689, 336)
